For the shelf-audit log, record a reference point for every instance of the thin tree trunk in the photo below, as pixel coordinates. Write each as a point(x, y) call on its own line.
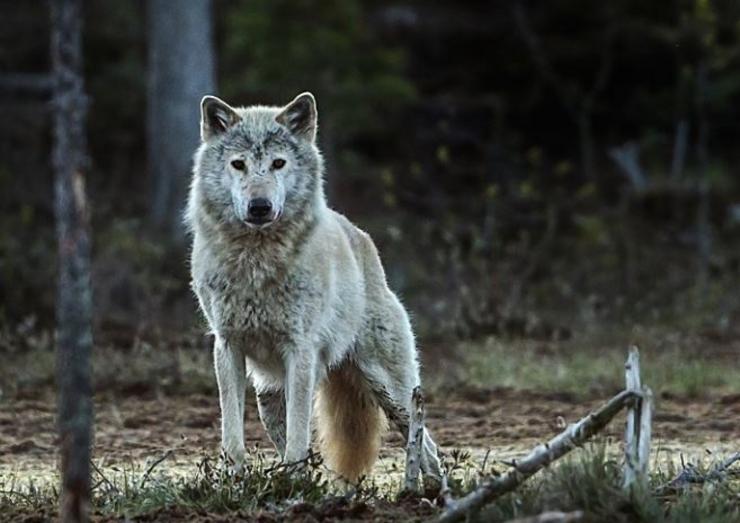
point(74, 299)
point(703, 212)
point(181, 71)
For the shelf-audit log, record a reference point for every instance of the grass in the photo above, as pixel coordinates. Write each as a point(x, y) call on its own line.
point(579, 370)
point(588, 481)
point(673, 362)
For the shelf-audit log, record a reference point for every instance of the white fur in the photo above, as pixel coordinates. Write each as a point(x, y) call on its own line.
point(290, 302)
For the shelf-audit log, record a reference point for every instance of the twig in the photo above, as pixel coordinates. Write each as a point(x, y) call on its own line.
point(541, 456)
point(103, 478)
point(289, 464)
point(446, 493)
point(25, 497)
point(689, 474)
point(413, 447)
point(153, 466)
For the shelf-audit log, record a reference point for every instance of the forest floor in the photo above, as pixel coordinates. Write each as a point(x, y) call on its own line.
point(486, 425)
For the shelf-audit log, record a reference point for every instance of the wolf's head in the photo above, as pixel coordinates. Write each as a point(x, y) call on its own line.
point(258, 168)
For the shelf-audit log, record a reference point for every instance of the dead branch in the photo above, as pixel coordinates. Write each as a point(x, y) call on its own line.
point(632, 429)
point(153, 466)
point(627, 158)
point(572, 437)
point(646, 430)
point(691, 475)
point(413, 447)
point(289, 465)
point(638, 431)
point(445, 492)
point(103, 478)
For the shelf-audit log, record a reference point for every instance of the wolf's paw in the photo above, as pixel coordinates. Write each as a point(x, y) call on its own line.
point(235, 462)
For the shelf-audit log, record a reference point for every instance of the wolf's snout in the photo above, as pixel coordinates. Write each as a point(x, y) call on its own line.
point(259, 209)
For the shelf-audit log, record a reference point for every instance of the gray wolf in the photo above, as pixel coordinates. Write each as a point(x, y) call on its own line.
point(295, 294)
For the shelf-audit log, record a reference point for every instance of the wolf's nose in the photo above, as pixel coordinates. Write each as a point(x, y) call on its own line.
point(259, 207)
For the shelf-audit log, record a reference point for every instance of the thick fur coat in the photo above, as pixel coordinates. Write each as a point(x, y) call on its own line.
point(294, 294)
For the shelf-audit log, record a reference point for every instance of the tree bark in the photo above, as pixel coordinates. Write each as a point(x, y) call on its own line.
point(181, 71)
point(74, 298)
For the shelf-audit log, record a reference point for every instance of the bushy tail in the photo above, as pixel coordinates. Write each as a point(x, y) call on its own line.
point(350, 423)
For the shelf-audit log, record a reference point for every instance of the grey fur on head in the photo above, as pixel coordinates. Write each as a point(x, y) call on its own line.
point(253, 138)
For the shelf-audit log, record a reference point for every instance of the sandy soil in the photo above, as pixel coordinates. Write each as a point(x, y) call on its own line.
point(137, 429)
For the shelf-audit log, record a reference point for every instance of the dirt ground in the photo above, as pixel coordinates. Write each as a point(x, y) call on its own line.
point(136, 430)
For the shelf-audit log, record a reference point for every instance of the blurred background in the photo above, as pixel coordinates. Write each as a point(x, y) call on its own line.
point(529, 170)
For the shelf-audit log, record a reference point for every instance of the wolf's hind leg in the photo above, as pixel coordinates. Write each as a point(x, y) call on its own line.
point(232, 384)
point(271, 406)
point(393, 391)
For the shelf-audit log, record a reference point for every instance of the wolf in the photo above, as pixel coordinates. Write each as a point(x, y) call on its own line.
point(294, 294)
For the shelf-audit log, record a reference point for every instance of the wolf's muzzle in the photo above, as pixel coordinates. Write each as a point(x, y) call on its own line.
point(260, 211)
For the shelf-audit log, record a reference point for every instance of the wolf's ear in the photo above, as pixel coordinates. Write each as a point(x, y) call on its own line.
point(300, 116)
point(216, 116)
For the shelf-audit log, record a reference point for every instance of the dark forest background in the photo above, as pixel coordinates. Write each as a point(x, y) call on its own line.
point(529, 168)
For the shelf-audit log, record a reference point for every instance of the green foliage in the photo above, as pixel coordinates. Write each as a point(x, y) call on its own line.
point(273, 50)
point(584, 370)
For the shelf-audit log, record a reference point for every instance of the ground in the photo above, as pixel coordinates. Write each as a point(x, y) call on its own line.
point(504, 421)
point(137, 425)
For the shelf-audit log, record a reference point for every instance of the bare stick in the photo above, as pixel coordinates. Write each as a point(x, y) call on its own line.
point(413, 447)
point(632, 429)
point(646, 431)
point(575, 435)
point(446, 493)
point(153, 466)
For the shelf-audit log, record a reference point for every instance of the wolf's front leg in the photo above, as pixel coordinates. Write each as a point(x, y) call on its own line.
point(231, 378)
point(300, 382)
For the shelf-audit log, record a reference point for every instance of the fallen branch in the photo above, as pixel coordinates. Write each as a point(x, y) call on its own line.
point(690, 475)
point(574, 436)
point(413, 447)
point(153, 466)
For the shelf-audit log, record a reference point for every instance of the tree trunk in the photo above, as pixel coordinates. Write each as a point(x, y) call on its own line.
point(703, 212)
point(181, 71)
point(74, 299)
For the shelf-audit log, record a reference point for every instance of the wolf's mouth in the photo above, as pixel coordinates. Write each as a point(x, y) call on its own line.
point(261, 222)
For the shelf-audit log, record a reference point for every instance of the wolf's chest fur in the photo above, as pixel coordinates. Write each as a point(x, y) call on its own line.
point(260, 312)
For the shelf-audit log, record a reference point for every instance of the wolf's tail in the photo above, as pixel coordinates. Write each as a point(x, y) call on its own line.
point(350, 423)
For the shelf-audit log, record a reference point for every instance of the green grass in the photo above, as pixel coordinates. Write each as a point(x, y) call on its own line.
point(589, 481)
point(580, 370)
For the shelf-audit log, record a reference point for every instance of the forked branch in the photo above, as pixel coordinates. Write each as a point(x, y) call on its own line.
point(575, 435)
point(413, 447)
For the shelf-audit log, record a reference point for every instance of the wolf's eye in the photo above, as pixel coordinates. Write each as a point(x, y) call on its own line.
point(278, 163)
point(239, 165)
